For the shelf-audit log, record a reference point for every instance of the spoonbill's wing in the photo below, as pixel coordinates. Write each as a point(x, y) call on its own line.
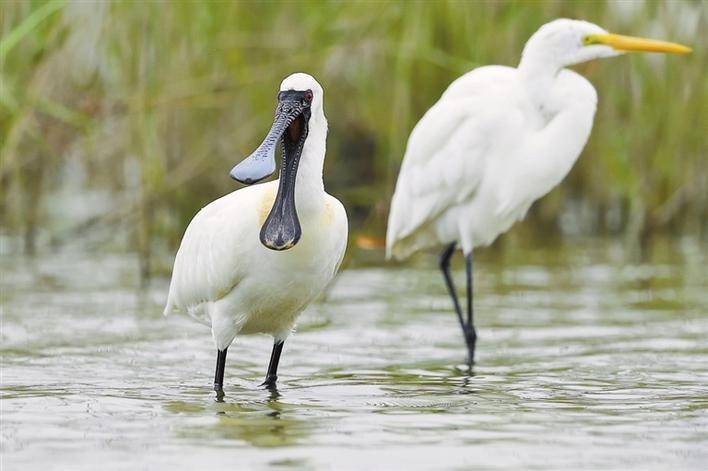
point(341, 223)
point(207, 263)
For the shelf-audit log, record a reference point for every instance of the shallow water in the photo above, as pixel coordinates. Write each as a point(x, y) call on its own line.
point(585, 360)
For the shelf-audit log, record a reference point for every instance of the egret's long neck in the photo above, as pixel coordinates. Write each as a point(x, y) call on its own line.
point(538, 69)
point(309, 185)
point(564, 104)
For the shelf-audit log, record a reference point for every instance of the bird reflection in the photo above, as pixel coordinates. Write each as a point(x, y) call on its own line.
point(467, 374)
point(273, 393)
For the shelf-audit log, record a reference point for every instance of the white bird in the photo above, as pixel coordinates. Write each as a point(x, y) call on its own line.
point(498, 139)
point(252, 260)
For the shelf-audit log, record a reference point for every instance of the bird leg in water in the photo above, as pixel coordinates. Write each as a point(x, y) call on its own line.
point(272, 375)
point(469, 331)
point(445, 257)
point(219, 374)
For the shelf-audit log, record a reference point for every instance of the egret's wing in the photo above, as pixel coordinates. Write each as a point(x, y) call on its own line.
point(446, 154)
point(443, 165)
point(472, 97)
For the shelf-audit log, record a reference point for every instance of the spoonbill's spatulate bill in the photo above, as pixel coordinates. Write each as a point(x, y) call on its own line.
point(498, 139)
point(251, 261)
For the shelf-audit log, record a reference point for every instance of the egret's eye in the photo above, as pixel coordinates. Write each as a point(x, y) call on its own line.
point(308, 96)
point(590, 40)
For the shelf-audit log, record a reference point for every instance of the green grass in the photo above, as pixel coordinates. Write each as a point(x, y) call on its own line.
point(156, 102)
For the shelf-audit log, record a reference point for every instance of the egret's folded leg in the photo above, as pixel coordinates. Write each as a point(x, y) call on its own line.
point(272, 375)
point(219, 374)
point(445, 257)
point(469, 330)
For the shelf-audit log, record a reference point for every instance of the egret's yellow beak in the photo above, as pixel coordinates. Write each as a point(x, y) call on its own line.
point(630, 43)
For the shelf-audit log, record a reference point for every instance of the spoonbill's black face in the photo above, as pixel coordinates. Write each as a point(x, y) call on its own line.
point(281, 229)
point(292, 114)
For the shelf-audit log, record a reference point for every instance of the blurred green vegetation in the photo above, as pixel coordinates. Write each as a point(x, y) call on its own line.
point(124, 118)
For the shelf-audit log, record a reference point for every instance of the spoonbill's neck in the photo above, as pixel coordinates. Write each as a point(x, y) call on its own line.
point(309, 185)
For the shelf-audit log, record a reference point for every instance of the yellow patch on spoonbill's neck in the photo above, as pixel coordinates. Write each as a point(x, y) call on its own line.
point(266, 204)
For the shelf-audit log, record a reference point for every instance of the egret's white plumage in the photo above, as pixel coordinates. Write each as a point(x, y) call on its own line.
point(225, 277)
point(498, 139)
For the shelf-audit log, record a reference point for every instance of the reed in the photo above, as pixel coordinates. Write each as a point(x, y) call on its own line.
point(135, 111)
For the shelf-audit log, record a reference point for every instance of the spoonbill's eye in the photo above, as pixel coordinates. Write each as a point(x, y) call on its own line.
point(308, 96)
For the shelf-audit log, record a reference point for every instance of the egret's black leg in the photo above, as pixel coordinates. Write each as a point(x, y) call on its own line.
point(445, 257)
point(470, 332)
point(272, 375)
point(219, 375)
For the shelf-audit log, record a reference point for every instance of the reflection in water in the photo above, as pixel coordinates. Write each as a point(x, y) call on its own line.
point(273, 393)
point(467, 376)
point(584, 360)
point(219, 395)
point(264, 422)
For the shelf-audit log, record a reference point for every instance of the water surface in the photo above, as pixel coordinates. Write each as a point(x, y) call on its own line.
point(585, 360)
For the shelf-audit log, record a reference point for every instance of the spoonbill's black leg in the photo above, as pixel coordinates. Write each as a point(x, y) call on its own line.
point(219, 374)
point(272, 375)
point(469, 331)
point(445, 257)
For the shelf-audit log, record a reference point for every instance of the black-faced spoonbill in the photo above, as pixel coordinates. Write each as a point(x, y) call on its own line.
point(498, 139)
point(251, 261)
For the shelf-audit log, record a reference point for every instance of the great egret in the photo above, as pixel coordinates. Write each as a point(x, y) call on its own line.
point(252, 260)
point(498, 139)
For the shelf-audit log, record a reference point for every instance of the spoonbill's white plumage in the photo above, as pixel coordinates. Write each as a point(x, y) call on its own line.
point(251, 261)
point(498, 139)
